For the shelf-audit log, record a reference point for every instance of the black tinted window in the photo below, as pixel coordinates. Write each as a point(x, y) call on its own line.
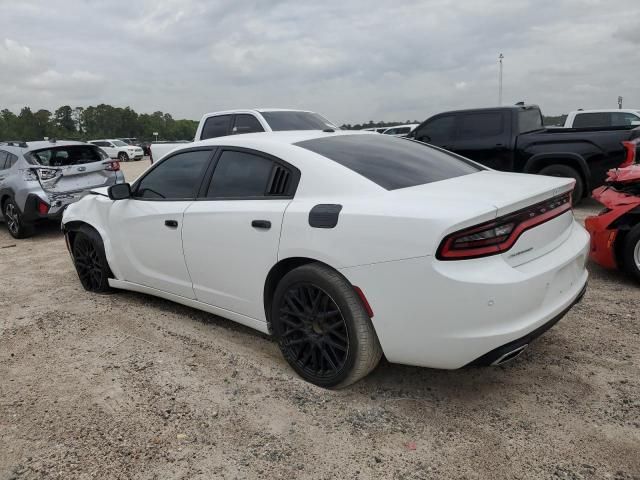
point(478, 125)
point(240, 174)
point(623, 119)
point(292, 120)
point(3, 160)
point(529, 120)
point(585, 120)
point(215, 127)
point(246, 124)
point(439, 131)
point(11, 160)
point(388, 161)
point(177, 177)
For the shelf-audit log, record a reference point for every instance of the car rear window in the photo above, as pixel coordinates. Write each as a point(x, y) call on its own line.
point(292, 120)
point(69, 155)
point(391, 162)
point(529, 120)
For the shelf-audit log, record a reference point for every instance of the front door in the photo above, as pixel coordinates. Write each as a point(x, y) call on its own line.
point(148, 227)
point(231, 235)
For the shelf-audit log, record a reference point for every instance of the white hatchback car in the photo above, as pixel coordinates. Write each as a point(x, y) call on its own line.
point(344, 246)
point(119, 150)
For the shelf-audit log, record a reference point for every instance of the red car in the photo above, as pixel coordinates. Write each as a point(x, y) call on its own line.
point(615, 231)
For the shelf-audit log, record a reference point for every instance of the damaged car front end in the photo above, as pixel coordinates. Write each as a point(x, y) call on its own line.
point(615, 231)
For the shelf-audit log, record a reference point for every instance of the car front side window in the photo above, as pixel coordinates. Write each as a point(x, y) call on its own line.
point(176, 178)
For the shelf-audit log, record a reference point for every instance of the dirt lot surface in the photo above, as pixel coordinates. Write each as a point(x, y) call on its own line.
point(129, 386)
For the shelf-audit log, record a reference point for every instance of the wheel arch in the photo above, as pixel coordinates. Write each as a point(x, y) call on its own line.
point(277, 273)
point(541, 160)
point(624, 224)
point(71, 229)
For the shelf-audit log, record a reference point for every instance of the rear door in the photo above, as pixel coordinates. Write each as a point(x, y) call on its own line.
point(231, 234)
point(148, 227)
point(484, 136)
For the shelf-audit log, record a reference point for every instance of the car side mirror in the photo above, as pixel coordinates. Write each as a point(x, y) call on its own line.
point(411, 134)
point(119, 191)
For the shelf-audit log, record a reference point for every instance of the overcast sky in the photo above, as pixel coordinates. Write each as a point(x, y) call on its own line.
point(352, 60)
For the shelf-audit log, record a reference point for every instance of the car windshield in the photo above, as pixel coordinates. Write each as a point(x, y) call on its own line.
point(69, 155)
point(120, 143)
point(391, 162)
point(294, 120)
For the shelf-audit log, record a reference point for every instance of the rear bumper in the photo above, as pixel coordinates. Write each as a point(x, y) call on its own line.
point(449, 314)
point(497, 355)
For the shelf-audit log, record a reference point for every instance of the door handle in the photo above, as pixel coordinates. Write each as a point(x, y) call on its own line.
point(264, 224)
point(171, 223)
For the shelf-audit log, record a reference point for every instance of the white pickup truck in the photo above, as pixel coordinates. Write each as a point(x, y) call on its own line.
point(235, 122)
point(603, 118)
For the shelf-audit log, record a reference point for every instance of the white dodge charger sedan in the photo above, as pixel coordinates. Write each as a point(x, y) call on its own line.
point(343, 246)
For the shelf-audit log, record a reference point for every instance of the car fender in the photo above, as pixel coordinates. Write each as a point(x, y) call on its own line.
point(92, 210)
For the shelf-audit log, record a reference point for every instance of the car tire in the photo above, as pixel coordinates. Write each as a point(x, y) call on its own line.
point(14, 220)
point(559, 170)
point(123, 157)
point(322, 327)
point(90, 261)
point(631, 253)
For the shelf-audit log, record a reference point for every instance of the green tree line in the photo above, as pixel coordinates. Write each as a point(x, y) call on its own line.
point(101, 121)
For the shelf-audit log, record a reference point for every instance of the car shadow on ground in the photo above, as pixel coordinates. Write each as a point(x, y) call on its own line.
point(393, 382)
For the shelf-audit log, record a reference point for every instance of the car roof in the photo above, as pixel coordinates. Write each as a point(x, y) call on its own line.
point(254, 111)
point(609, 110)
point(41, 144)
point(285, 137)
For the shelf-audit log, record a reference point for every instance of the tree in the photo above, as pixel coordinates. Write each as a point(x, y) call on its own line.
point(64, 119)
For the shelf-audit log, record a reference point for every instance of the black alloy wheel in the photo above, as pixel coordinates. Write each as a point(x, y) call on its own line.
point(314, 332)
point(322, 327)
point(90, 263)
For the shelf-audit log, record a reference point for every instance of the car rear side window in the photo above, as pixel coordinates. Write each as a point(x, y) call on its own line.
point(481, 125)
point(217, 126)
point(390, 162)
point(4, 157)
point(529, 119)
point(240, 174)
point(246, 124)
point(586, 120)
point(176, 178)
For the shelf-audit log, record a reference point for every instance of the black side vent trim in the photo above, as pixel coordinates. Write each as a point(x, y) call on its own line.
point(280, 180)
point(324, 215)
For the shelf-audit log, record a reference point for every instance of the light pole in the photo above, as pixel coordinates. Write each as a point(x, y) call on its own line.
point(500, 58)
point(620, 103)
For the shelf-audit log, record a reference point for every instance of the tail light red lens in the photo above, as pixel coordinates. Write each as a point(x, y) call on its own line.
point(43, 208)
point(630, 157)
point(499, 235)
point(112, 166)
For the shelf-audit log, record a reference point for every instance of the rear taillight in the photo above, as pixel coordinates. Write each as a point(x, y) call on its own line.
point(499, 235)
point(630, 157)
point(112, 166)
point(43, 208)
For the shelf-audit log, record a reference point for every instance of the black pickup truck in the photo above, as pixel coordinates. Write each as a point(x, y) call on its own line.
point(514, 139)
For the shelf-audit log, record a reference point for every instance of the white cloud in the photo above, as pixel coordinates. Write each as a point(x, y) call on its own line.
point(353, 61)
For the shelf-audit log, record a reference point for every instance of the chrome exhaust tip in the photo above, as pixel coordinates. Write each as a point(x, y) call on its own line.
point(510, 355)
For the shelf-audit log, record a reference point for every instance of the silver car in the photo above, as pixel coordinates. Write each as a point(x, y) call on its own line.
point(39, 179)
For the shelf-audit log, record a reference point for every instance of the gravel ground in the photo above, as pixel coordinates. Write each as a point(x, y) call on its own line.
point(129, 386)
